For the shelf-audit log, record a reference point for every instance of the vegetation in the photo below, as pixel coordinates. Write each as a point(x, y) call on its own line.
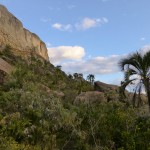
point(37, 113)
point(136, 69)
point(91, 78)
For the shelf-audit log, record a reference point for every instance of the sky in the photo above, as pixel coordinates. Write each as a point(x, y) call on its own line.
point(87, 36)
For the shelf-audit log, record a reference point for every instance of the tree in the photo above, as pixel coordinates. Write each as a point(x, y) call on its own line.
point(91, 78)
point(59, 67)
point(80, 76)
point(136, 69)
point(75, 75)
point(70, 76)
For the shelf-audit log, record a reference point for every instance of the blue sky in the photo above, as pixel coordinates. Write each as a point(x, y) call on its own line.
point(87, 36)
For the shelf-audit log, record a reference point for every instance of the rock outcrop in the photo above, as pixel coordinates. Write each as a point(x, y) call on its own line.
point(20, 39)
point(103, 87)
point(90, 97)
point(111, 91)
point(6, 67)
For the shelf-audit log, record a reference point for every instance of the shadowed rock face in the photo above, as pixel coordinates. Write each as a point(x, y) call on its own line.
point(12, 33)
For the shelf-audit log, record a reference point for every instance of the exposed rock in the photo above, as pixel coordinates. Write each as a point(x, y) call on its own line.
point(90, 97)
point(103, 87)
point(111, 91)
point(4, 66)
point(21, 40)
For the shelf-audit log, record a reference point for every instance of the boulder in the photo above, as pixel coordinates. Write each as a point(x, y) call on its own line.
point(111, 91)
point(103, 87)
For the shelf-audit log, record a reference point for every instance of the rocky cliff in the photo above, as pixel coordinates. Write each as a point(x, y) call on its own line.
point(20, 39)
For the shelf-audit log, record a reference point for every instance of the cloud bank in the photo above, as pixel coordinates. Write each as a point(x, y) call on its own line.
point(94, 65)
point(85, 24)
point(73, 59)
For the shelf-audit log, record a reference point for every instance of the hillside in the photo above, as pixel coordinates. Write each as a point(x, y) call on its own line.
point(43, 108)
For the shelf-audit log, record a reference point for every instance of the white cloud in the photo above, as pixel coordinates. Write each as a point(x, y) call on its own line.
point(72, 59)
point(86, 64)
point(85, 24)
point(57, 26)
point(145, 49)
point(61, 27)
point(61, 53)
point(88, 23)
point(95, 65)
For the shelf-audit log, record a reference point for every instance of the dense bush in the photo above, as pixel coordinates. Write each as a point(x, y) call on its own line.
point(32, 116)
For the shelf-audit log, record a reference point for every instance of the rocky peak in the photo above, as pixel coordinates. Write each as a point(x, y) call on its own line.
point(20, 39)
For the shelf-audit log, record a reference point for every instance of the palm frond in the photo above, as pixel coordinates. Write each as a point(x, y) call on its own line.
point(132, 61)
point(129, 73)
point(123, 86)
point(136, 64)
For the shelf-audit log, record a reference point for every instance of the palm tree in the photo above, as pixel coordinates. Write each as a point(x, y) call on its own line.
point(136, 69)
point(91, 78)
point(75, 75)
point(70, 76)
point(80, 76)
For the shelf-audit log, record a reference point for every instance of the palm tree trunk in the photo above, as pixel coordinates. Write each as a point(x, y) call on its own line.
point(147, 88)
point(148, 97)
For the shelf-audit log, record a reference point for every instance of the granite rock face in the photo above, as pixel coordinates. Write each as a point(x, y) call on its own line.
point(20, 39)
